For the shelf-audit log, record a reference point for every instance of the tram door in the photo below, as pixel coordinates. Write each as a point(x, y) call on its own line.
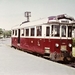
point(47, 35)
point(47, 39)
point(18, 35)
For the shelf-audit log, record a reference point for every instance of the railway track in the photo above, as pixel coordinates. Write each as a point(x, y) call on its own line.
point(71, 64)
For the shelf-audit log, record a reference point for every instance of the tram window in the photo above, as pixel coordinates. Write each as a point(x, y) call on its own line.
point(47, 31)
point(39, 30)
point(63, 31)
point(55, 30)
point(15, 32)
point(22, 32)
point(27, 32)
point(12, 32)
point(32, 31)
point(69, 31)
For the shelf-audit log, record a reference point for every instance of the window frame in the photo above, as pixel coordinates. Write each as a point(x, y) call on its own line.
point(54, 30)
point(48, 31)
point(69, 32)
point(15, 32)
point(32, 31)
point(39, 30)
point(22, 31)
point(65, 31)
point(26, 32)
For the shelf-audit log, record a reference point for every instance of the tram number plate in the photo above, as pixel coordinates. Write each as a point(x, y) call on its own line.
point(63, 47)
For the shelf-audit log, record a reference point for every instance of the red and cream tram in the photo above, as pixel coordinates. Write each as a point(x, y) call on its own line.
point(51, 37)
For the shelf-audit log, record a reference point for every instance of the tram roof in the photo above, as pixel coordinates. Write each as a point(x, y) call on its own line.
point(32, 23)
point(51, 19)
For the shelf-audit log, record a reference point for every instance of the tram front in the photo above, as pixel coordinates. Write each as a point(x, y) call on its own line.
point(61, 40)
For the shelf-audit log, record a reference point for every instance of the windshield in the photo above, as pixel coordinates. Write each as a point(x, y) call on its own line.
point(69, 31)
point(55, 30)
point(63, 31)
point(66, 31)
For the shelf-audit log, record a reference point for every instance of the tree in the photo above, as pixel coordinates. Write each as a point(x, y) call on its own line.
point(1, 32)
point(7, 33)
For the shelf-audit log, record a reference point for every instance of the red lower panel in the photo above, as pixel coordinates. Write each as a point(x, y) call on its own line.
point(38, 45)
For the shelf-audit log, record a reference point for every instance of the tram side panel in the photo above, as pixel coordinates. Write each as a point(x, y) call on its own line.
point(14, 41)
point(24, 43)
point(36, 45)
point(32, 44)
point(27, 44)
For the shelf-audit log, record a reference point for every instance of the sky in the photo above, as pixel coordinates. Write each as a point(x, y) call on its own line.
point(12, 11)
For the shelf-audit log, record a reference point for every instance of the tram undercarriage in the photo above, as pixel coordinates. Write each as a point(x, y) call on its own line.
point(62, 56)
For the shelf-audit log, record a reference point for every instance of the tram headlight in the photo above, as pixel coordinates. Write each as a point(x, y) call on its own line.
point(57, 45)
point(70, 45)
